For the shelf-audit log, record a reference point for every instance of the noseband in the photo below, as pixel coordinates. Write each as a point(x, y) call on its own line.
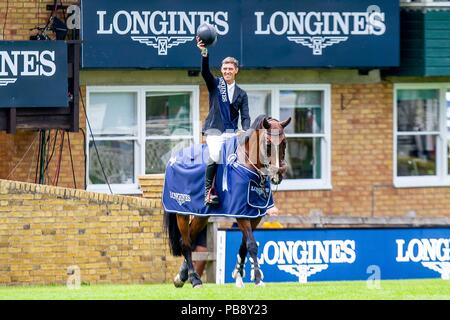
point(265, 155)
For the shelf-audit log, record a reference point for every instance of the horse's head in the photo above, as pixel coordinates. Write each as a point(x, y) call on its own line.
point(266, 147)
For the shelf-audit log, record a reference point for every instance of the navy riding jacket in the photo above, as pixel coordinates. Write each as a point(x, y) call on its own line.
point(239, 104)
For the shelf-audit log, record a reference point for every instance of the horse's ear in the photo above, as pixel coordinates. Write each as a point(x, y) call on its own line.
point(285, 122)
point(266, 123)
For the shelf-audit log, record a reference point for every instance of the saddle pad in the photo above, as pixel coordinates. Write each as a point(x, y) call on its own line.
point(238, 188)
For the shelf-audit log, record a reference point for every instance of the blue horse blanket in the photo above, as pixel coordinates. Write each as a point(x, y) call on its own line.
point(241, 192)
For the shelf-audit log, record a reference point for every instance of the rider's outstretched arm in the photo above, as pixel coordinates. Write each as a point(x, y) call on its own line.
point(206, 73)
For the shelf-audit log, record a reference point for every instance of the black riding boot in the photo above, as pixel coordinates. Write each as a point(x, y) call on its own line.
point(210, 199)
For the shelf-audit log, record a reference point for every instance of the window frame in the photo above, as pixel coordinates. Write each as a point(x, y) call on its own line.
point(442, 177)
point(303, 184)
point(141, 138)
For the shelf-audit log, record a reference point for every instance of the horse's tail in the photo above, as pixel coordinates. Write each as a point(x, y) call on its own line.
point(171, 229)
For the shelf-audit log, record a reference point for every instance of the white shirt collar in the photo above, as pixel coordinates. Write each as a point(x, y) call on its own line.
point(230, 89)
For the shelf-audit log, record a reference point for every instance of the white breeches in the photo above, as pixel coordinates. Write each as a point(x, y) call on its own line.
point(215, 145)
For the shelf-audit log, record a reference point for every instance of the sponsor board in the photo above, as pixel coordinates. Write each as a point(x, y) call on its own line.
point(28, 69)
point(259, 33)
point(294, 255)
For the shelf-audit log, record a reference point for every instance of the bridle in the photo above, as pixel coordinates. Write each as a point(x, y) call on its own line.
point(268, 135)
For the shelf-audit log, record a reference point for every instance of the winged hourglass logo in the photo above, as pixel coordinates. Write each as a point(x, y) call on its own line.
point(163, 44)
point(317, 43)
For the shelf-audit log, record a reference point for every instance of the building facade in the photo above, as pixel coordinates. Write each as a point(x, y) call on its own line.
point(367, 87)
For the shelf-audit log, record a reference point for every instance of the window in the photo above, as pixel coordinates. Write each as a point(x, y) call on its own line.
point(308, 149)
point(447, 98)
point(135, 129)
point(114, 125)
point(168, 126)
point(421, 139)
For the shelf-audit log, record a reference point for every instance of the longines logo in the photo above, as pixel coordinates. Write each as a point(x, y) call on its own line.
point(317, 43)
point(318, 30)
point(180, 197)
point(161, 30)
point(305, 258)
point(15, 64)
point(162, 43)
point(260, 191)
point(5, 81)
point(433, 254)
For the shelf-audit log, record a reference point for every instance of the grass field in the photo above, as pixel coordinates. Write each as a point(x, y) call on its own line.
point(342, 290)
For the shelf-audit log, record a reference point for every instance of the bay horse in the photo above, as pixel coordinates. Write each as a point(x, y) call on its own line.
point(261, 150)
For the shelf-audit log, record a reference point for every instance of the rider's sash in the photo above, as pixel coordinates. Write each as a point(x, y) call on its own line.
point(224, 104)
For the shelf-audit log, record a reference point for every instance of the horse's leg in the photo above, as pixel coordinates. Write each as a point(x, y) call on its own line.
point(183, 226)
point(197, 224)
point(182, 275)
point(246, 227)
point(254, 223)
point(242, 256)
point(239, 272)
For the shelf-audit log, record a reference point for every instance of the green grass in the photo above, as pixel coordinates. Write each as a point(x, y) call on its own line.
point(348, 290)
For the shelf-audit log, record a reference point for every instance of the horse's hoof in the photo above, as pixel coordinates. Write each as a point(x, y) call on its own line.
point(177, 282)
point(195, 280)
point(260, 284)
point(199, 286)
point(239, 282)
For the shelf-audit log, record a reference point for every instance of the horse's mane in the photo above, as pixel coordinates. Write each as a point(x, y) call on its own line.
point(256, 125)
point(258, 122)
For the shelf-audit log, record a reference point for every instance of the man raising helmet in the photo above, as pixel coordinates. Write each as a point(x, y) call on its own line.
point(226, 101)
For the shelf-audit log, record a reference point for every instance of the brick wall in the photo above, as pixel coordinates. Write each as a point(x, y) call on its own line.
point(22, 15)
point(112, 239)
point(152, 186)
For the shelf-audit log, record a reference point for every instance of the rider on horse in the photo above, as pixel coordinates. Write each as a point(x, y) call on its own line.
point(226, 101)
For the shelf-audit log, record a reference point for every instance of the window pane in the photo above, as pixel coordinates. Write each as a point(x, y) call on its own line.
point(303, 156)
point(117, 158)
point(448, 130)
point(305, 108)
point(168, 113)
point(158, 152)
point(416, 155)
point(448, 110)
point(259, 102)
point(448, 156)
point(113, 113)
point(418, 110)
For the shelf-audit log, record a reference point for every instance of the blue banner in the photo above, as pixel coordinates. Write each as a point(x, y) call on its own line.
point(33, 74)
point(293, 255)
point(259, 33)
point(310, 33)
point(156, 34)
